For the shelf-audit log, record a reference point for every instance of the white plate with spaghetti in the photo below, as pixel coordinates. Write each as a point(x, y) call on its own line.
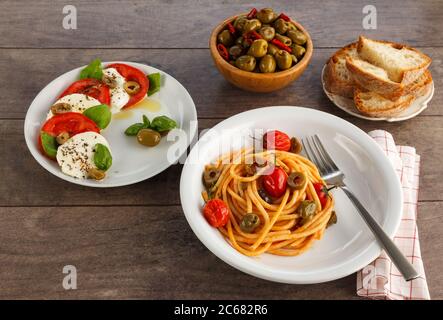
point(347, 105)
point(344, 247)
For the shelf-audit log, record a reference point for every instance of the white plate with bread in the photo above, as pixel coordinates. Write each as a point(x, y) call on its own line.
point(379, 80)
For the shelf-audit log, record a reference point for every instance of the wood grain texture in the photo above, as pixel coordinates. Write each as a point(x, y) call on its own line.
point(188, 23)
point(134, 242)
point(150, 252)
point(214, 97)
point(25, 183)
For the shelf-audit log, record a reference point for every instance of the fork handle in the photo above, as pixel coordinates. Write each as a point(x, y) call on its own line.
point(399, 260)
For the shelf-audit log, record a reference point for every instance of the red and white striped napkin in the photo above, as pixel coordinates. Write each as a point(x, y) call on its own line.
point(381, 279)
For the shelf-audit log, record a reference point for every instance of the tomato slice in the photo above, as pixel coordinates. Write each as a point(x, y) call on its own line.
point(91, 87)
point(70, 122)
point(132, 74)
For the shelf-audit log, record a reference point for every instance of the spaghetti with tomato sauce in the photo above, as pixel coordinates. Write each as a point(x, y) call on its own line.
point(271, 201)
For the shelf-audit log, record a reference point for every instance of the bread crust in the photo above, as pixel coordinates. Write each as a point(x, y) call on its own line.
point(332, 82)
point(388, 89)
point(393, 109)
point(409, 75)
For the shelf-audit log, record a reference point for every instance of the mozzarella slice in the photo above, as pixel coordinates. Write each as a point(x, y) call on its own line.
point(76, 155)
point(119, 96)
point(79, 102)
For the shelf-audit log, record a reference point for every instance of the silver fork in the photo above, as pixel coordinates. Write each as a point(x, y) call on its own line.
point(333, 176)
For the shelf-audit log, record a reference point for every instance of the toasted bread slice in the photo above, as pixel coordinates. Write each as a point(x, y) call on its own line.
point(421, 86)
point(403, 64)
point(373, 78)
point(375, 105)
point(337, 77)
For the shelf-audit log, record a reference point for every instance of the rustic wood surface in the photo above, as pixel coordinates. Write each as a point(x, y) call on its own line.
point(134, 242)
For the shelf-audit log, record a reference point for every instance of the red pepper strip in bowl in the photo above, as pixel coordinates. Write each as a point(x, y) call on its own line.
point(255, 35)
point(281, 45)
point(231, 28)
point(252, 14)
point(223, 51)
point(284, 17)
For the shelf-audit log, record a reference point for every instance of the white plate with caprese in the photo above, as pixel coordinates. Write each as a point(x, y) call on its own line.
point(110, 124)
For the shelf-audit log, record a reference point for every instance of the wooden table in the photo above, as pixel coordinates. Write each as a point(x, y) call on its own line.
point(134, 242)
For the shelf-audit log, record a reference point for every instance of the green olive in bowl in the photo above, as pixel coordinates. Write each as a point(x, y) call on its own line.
point(246, 63)
point(258, 48)
point(298, 50)
point(239, 23)
point(268, 33)
point(266, 15)
point(281, 26)
point(297, 37)
point(236, 51)
point(272, 49)
point(267, 64)
point(284, 59)
point(283, 39)
point(251, 25)
point(225, 38)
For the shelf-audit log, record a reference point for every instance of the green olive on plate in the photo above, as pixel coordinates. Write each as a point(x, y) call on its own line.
point(148, 137)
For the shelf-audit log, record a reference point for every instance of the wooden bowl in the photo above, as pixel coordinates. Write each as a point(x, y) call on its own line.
point(258, 82)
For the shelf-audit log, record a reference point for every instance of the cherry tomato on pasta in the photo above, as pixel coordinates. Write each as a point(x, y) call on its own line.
point(276, 140)
point(216, 213)
point(322, 193)
point(275, 182)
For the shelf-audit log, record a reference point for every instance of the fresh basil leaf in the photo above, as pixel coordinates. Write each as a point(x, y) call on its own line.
point(93, 70)
point(146, 122)
point(132, 130)
point(49, 144)
point(154, 83)
point(100, 114)
point(102, 157)
point(163, 123)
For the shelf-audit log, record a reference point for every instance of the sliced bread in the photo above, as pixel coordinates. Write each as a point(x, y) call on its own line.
point(373, 78)
point(403, 64)
point(375, 105)
point(421, 86)
point(337, 78)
